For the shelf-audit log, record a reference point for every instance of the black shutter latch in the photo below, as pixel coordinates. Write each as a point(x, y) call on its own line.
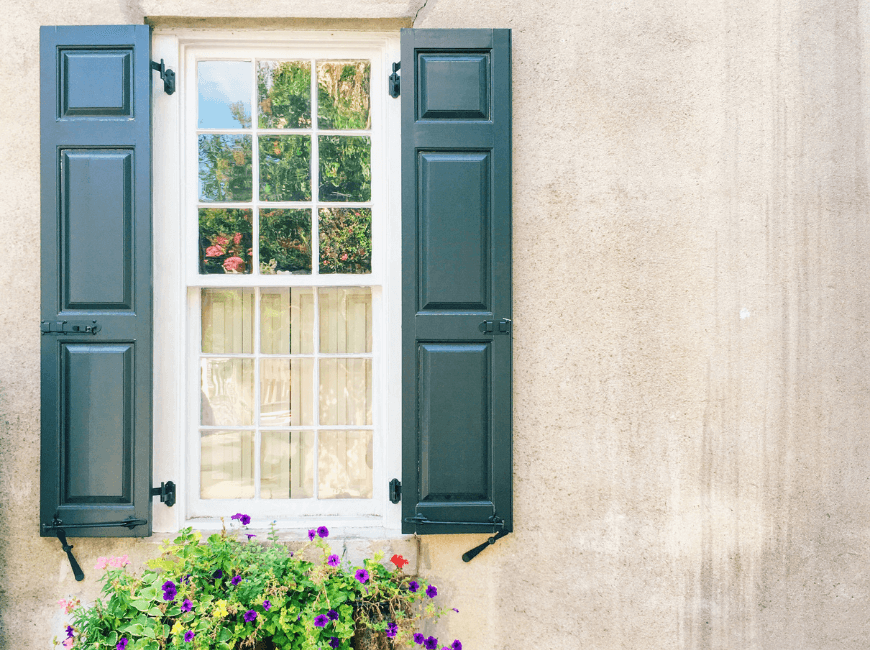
point(502, 326)
point(395, 80)
point(395, 490)
point(70, 327)
point(473, 553)
point(166, 74)
point(166, 492)
point(67, 548)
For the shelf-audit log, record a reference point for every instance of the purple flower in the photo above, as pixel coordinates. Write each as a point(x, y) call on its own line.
point(243, 519)
point(69, 632)
point(186, 606)
point(250, 536)
point(362, 576)
point(312, 534)
point(217, 575)
point(322, 531)
point(457, 611)
point(431, 591)
point(188, 636)
point(392, 630)
point(333, 560)
point(419, 638)
point(456, 645)
point(413, 586)
point(122, 644)
point(250, 616)
point(168, 585)
point(169, 594)
point(236, 580)
point(266, 605)
point(334, 642)
point(431, 643)
point(332, 615)
point(320, 621)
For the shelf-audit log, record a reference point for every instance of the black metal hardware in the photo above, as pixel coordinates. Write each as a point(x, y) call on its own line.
point(395, 80)
point(70, 327)
point(129, 522)
point(473, 553)
point(502, 326)
point(395, 490)
point(494, 521)
point(67, 548)
point(166, 492)
point(166, 74)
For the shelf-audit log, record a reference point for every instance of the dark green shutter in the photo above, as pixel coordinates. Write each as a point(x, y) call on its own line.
point(96, 268)
point(456, 297)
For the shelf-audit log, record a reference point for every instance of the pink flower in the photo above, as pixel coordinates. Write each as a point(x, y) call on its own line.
point(68, 643)
point(120, 561)
point(214, 251)
point(220, 240)
point(237, 238)
point(102, 563)
point(67, 605)
point(234, 263)
point(343, 257)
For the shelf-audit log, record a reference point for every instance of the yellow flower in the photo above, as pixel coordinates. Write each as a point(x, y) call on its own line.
point(177, 628)
point(220, 609)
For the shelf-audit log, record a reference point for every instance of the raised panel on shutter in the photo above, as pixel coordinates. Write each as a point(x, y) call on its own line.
point(456, 249)
point(96, 268)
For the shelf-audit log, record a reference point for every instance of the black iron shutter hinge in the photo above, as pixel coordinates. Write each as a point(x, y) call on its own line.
point(166, 492)
point(69, 327)
point(395, 80)
point(502, 326)
point(166, 74)
point(395, 490)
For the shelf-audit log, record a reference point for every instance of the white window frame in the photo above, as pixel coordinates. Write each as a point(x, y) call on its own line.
point(177, 282)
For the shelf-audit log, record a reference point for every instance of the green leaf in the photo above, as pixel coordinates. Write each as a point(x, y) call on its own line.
point(155, 612)
point(224, 635)
point(149, 592)
point(141, 605)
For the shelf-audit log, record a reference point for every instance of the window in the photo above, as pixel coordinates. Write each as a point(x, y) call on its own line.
point(218, 311)
point(286, 278)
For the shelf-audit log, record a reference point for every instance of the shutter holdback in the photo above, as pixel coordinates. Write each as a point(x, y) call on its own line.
point(166, 74)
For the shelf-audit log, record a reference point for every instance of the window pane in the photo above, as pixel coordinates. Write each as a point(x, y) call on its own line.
point(224, 94)
point(346, 320)
point(285, 168)
point(345, 240)
point(227, 392)
point(344, 465)
point(345, 391)
point(227, 321)
point(287, 464)
point(286, 392)
point(285, 242)
point(287, 321)
point(225, 241)
point(345, 168)
point(227, 465)
point(284, 94)
point(225, 168)
point(343, 89)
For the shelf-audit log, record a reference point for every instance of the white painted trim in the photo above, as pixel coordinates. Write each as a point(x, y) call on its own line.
point(177, 290)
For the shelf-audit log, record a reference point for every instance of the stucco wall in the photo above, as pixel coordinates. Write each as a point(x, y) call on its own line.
point(692, 458)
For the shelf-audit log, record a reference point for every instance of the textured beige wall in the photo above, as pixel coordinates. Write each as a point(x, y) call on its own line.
point(692, 458)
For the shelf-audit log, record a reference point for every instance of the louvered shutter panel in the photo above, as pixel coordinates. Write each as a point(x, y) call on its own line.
point(96, 273)
point(456, 297)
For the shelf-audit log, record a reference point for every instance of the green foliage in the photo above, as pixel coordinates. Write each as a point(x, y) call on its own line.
point(287, 592)
point(225, 168)
point(285, 241)
point(343, 91)
point(345, 240)
point(284, 93)
point(345, 168)
point(285, 167)
point(224, 240)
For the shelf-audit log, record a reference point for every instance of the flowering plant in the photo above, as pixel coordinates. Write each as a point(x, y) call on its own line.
point(236, 592)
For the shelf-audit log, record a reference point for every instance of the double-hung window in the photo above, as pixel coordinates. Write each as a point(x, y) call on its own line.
point(288, 277)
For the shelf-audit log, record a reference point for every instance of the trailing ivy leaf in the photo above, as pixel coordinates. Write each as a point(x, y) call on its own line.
point(141, 605)
point(155, 612)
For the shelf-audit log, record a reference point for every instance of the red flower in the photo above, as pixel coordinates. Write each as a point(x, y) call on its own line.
point(399, 561)
point(237, 238)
